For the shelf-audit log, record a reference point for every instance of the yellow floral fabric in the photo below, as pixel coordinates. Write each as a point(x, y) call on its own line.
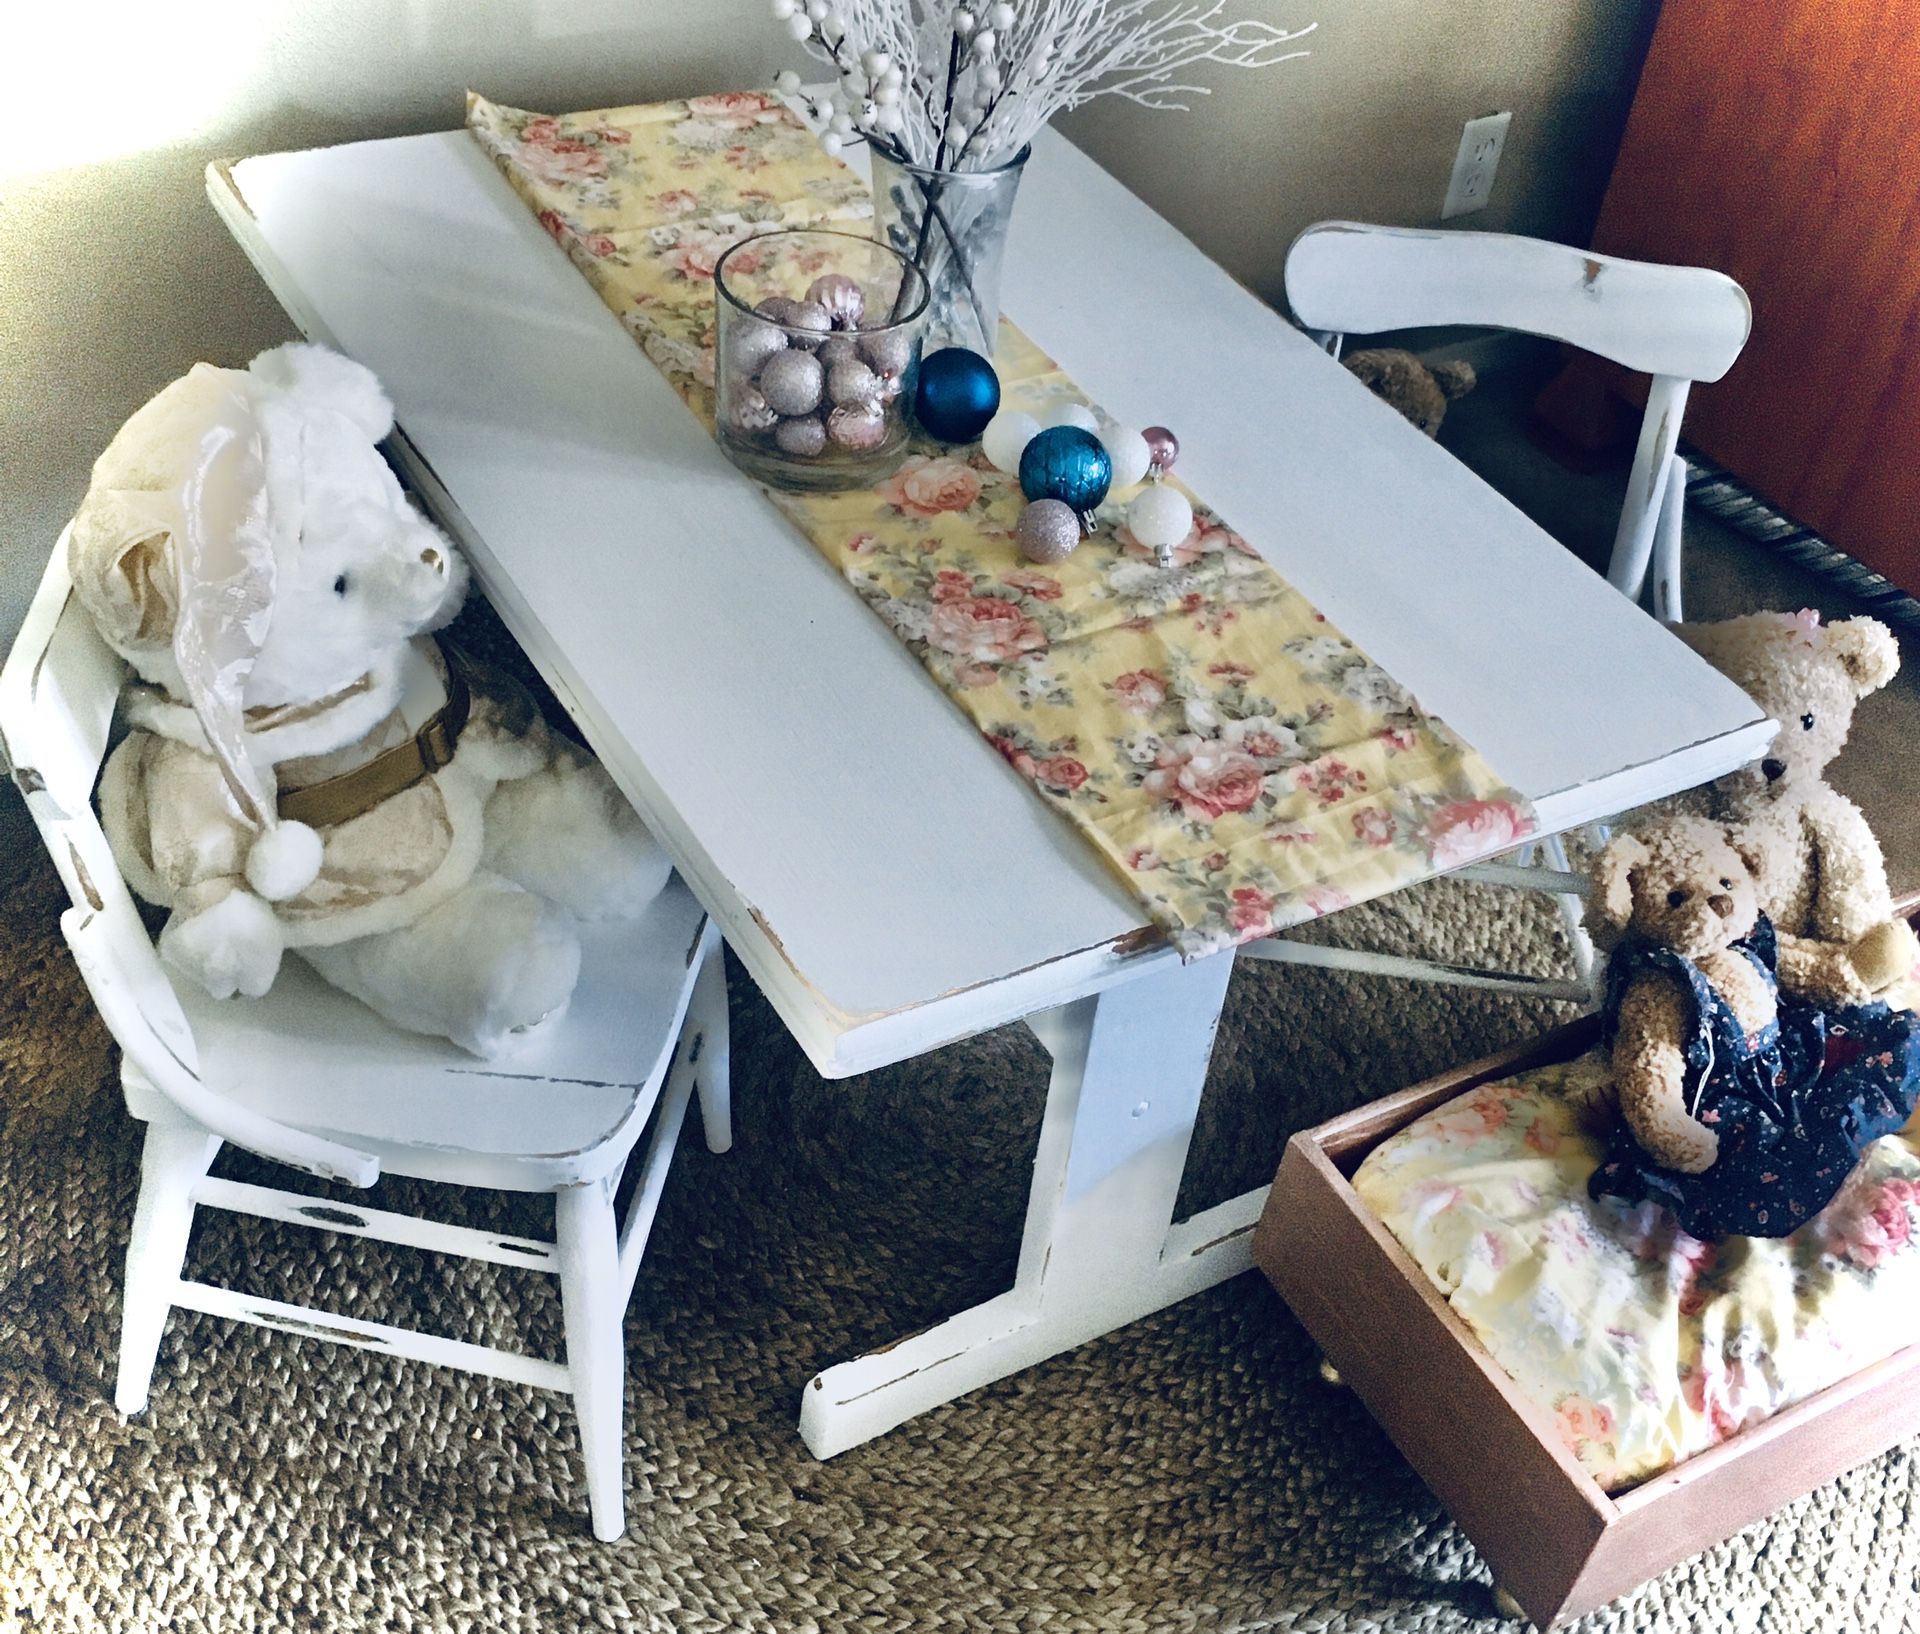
point(1646, 1345)
point(1238, 761)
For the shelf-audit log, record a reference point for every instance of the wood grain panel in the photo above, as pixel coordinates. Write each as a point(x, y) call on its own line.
point(1781, 145)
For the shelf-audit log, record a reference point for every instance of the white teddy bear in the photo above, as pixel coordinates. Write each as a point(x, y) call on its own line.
point(307, 767)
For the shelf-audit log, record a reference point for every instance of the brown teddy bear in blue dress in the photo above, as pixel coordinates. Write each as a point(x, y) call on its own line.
point(1743, 1111)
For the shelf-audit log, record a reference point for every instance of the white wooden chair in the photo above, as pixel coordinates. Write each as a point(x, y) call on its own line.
point(314, 1080)
point(1678, 324)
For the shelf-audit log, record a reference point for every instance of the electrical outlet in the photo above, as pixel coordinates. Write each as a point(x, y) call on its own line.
point(1473, 166)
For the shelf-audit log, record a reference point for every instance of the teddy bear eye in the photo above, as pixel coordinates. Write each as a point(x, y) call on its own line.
point(1806, 723)
point(340, 585)
point(1676, 898)
point(1726, 885)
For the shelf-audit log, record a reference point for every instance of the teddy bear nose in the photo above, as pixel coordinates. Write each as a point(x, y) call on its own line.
point(1721, 904)
point(1775, 769)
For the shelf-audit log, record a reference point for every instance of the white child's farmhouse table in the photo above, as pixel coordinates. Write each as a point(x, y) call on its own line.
point(872, 862)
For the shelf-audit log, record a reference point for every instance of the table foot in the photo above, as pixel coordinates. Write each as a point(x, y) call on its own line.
point(1101, 1248)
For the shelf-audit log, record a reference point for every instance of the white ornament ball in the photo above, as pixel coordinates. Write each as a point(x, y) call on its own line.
point(786, 82)
point(876, 63)
point(1063, 412)
point(963, 22)
point(1160, 517)
point(798, 26)
point(830, 144)
point(1000, 16)
point(1006, 438)
point(284, 861)
point(817, 10)
point(783, 9)
point(1128, 451)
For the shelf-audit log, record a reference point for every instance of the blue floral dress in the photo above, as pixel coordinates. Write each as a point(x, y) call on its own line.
point(1794, 1104)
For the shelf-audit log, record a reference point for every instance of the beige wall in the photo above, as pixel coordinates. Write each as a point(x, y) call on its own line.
point(115, 276)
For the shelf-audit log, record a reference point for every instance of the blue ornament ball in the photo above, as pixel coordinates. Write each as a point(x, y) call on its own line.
point(957, 395)
point(1067, 464)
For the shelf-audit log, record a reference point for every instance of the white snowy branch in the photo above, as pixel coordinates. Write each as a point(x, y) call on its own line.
point(967, 86)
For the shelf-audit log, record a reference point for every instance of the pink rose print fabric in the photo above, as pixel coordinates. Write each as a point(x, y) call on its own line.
point(1643, 1344)
point(1240, 764)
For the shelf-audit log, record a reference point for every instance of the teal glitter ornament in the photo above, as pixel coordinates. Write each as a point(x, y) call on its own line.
point(957, 395)
point(1067, 464)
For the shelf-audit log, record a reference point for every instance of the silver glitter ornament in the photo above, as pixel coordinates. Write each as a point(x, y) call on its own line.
point(750, 344)
point(803, 438)
point(853, 382)
point(1047, 531)
point(791, 382)
point(857, 426)
point(843, 300)
point(747, 408)
point(889, 351)
point(838, 349)
point(809, 318)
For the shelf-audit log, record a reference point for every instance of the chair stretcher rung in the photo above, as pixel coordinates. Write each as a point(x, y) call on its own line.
point(320, 1214)
point(1279, 950)
point(308, 1323)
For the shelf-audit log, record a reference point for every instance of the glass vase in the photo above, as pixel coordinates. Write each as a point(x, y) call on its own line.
point(953, 225)
point(817, 351)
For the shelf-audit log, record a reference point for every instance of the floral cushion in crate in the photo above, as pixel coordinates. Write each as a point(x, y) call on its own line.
point(1649, 1346)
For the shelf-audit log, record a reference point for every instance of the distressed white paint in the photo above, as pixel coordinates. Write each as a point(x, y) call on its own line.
point(315, 1080)
point(1100, 1247)
point(814, 788)
point(1678, 324)
point(884, 880)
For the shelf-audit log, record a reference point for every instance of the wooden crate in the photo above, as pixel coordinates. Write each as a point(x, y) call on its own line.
point(1554, 1539)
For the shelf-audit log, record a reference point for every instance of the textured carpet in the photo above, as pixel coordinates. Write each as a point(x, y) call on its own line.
point(1187, 1473)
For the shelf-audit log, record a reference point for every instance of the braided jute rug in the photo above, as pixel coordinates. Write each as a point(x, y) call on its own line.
point(1187, 1473)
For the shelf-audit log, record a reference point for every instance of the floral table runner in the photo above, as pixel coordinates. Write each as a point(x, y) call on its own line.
point(1241, 763)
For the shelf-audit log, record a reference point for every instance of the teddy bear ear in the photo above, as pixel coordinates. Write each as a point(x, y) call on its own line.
point(1455, 377)
point(1613, 870)
point(311, 377)
point(1867, 650)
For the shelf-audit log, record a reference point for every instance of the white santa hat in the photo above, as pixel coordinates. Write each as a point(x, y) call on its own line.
point(173, 550)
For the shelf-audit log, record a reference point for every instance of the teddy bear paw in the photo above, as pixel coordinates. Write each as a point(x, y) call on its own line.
point(1885, 954)
point(232, 947)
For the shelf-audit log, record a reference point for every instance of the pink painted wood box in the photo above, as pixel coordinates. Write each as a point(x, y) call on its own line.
point(1555, 1541)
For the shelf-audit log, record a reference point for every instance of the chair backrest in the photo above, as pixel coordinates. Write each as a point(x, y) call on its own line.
point(1345, 277)
point(58, 691)
point(1678, 324)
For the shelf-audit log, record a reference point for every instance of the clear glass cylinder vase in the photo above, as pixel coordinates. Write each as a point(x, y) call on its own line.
point(953, 225)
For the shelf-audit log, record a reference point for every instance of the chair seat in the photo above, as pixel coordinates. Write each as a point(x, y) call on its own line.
point(1645, 1345)
point(543, 1114)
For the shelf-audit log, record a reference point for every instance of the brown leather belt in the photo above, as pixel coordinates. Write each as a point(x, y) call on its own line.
point(340, 799)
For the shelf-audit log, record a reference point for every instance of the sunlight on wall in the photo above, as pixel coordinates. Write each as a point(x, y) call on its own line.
point(87, 80)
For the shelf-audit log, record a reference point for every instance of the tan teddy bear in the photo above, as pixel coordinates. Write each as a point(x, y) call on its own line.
point(1679, 885)
point(1743, 1110)
point(1402, 381)
point(1822, 879)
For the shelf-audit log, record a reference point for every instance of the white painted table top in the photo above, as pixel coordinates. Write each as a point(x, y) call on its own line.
point(884, 877)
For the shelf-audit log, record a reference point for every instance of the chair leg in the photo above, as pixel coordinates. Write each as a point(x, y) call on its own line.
point(708, 1015)
point(175, 1158)
point(591, 1302)
point(1667, 545)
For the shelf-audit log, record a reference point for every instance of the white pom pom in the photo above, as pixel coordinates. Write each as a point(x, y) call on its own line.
point(1001, 16)
point(798, 26)
point(1006, 438)
point(284, 861)
point(786, 82)
point(1128, 451)
point(876, 63)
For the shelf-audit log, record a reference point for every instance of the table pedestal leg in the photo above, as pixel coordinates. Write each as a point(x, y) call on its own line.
point(1101, 1247)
